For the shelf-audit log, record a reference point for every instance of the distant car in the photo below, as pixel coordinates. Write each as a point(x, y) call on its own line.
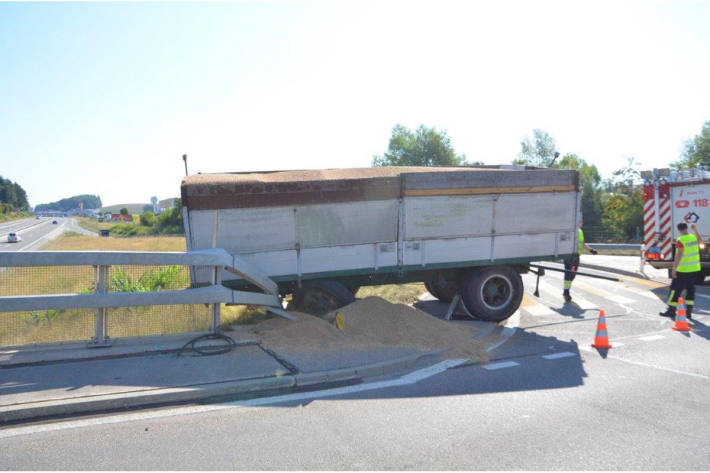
point(104, 232)
point(54, 221)
point(13, 238)
point(37, 217)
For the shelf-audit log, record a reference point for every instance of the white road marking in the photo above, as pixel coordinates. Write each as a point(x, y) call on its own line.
point(505, 334)
point(501, 365)
point(579, 301)
point(411, 378)
point(652, 338)
point(703, 296)
point(620, 299)
point(539, 309)
point(563, 354)
point(644, 293)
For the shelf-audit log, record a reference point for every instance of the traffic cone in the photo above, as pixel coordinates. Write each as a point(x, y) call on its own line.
point(681, 321)
point(601, 339)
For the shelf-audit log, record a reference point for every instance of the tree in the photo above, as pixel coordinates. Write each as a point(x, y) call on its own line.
point(538, 151)
point(123, 211)
point(697, 151)
point(423, 147)
point(12, 195)
point(623, 203)
point(590, 180)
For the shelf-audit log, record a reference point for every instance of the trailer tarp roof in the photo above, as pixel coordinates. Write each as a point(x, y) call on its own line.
point(303, 187)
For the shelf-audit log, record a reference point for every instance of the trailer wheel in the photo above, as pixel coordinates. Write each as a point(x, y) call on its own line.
point(492, 293)
point(320, 297)
point(445, 291)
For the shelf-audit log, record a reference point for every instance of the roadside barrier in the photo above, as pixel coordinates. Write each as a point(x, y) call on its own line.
point(98, 296)
point(681, 321)
point(601, 339)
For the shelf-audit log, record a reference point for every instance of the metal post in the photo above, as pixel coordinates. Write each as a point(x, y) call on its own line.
point(100, 338)
point(656, 208)
point(216, 279)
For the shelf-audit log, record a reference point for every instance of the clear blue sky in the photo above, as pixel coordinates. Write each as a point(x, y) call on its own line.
point(105, 98)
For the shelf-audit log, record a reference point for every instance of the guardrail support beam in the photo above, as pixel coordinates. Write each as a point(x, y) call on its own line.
point(100, 338)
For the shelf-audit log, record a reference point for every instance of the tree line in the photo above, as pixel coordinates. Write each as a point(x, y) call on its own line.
point(12, 197)
point(612, 207)
point(89, 202)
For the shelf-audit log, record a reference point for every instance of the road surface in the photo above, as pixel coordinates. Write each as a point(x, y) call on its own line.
point(546, 400)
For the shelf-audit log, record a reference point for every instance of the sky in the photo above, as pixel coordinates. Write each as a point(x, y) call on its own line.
point(105, 98)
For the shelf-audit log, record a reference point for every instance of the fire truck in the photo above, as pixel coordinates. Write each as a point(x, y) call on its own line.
point(671, 197)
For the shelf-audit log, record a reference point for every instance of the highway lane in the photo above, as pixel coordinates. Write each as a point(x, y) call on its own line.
point(545, 400)
point(20, 225)
point(35, 233)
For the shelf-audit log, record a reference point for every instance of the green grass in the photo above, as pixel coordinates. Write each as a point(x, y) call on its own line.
point(8, 217)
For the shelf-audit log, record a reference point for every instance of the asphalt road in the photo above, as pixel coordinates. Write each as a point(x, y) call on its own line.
point(35, 233)
point(546, 400)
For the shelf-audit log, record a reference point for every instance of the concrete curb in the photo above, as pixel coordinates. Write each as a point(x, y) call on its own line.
point(93, 404)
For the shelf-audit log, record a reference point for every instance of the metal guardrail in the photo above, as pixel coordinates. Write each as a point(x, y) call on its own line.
point(616, 246)
point(214, 294)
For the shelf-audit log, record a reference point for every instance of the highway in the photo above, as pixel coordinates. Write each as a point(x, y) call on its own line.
point(35, 233)
point(545, 400)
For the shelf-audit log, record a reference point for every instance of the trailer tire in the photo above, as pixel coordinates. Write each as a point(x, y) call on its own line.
point(445, 291)
point(492, 293)
point(320, 297)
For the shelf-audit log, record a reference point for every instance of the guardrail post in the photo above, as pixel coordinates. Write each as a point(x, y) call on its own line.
point(216, 279)
point(100, 339)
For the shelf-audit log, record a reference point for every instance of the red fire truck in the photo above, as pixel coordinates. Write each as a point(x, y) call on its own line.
point(671, 197)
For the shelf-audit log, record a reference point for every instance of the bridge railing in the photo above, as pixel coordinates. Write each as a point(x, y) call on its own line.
point(98, 296)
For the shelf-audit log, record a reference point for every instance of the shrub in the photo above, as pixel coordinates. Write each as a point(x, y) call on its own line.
point(147, 219)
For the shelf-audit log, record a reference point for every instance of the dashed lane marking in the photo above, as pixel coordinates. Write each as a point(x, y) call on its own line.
point(555, 356)
point(501, 365)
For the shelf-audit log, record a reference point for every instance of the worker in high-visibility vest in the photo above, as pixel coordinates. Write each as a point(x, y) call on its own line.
point(686, 267)
point(572, 263)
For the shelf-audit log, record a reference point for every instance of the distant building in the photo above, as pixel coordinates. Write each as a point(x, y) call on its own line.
point(119, 217)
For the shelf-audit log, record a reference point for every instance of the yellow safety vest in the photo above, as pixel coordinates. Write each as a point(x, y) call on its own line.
point(580, 241)
point(690, 262)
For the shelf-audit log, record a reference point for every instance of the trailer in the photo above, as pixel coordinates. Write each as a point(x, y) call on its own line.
point(321, 234)
point(672, 197)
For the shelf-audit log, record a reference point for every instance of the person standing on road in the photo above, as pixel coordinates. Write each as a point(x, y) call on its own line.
point(686, 267)
point(571, 264)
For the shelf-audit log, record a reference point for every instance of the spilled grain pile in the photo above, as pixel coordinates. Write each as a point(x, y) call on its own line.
point(371, 323)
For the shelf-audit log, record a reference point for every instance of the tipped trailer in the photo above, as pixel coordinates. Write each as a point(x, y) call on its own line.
point(321, 234)
point(672, 197)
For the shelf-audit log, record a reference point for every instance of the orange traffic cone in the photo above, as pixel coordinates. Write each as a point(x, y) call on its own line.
point(601, 339)
point(681, 321)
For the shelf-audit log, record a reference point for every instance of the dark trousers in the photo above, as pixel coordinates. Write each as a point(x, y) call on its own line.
point(570, 265)
point(683, 281)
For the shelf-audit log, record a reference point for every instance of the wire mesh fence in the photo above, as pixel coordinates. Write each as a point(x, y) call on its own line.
point(602, 234)
point(58, 325)
point(46, 326)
